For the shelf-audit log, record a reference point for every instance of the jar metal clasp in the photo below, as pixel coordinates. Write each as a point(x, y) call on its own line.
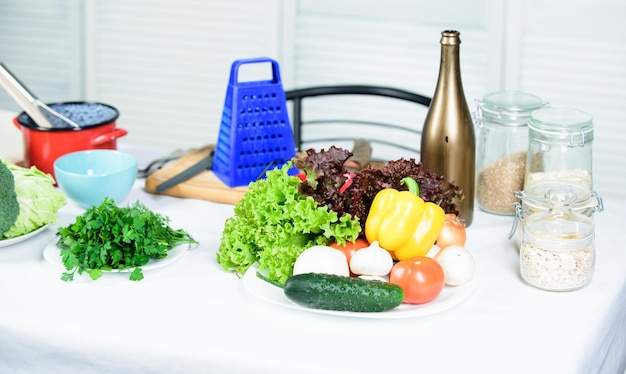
point(519, 214)
point(599, 207)
point(572, 139)
point(477, 115)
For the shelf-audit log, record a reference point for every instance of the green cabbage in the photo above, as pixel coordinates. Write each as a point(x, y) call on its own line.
point(39, 200)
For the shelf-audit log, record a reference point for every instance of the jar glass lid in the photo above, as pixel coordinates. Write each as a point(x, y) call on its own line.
point(560, 222)
point(534, 197)
point(555, 125)
point(509, 107)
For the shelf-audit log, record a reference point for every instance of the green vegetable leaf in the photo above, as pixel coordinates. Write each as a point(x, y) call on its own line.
point(94, 273)
point(67, 277)
point(69, 259)
point(136, 274)
point(38, 199)
point(325, 176)
point(109, 237)
point(274, 223)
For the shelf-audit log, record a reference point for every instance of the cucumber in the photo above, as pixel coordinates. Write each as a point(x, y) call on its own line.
point(336, 292)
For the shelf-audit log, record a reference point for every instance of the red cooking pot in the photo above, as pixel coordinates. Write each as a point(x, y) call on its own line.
point(42, 146)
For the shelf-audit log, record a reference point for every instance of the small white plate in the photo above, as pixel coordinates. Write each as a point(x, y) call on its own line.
point(52, 254)
point(21, 238)
point(448, 298)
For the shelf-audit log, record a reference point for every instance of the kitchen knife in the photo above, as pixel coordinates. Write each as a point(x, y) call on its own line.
point(361, 155)
point(192, 171)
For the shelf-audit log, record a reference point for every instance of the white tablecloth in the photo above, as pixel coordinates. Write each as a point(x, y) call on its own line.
point(192, 317)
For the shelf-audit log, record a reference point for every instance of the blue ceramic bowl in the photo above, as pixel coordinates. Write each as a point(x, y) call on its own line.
point(87, 177)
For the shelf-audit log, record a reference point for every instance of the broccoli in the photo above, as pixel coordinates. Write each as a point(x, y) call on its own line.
point(9, 206)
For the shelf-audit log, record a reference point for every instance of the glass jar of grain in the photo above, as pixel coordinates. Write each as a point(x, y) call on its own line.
point(502, 142)
point(559, 148)
point(558, 249)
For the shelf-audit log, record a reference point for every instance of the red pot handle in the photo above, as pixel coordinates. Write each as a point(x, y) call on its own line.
point(109, 137)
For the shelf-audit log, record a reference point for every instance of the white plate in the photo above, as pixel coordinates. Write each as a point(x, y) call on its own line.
point(21, 238)
point(52, 254)
point(449, 297)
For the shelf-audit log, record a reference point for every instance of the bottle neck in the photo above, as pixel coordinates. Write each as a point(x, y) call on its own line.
point(450, 67)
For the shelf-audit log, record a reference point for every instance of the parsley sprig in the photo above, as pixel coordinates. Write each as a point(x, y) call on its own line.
point(109, 237)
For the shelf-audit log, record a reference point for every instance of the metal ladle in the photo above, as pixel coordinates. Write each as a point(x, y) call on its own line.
point(29, 102)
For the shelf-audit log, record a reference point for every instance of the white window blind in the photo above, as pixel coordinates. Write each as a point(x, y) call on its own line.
point(40, 42)
point(394, 43)
point(578, 59)
point(165, 64)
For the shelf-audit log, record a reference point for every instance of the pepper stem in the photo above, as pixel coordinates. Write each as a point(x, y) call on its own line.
point(411, 185)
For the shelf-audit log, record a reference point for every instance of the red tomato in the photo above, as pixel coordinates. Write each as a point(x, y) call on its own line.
point(421, 278)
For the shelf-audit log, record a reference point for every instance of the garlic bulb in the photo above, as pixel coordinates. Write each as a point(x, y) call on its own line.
point(372, 260)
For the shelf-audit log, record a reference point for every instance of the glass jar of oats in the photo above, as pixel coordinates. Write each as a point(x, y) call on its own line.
point(502, 142)
point(558, 250)
point(559, 148)
point(533, 201)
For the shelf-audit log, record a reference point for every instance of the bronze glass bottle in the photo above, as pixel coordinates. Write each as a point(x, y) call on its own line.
point(448, 145)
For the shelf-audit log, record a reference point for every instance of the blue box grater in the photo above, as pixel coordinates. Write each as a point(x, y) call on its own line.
point(255, 133)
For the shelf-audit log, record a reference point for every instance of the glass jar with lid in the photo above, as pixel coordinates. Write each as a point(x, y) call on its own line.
point(502, 142)
point(533, 200)
point(560, 148)
point(558, 247)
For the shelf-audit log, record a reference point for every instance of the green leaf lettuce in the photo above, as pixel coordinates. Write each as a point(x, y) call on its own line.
point(273, 223)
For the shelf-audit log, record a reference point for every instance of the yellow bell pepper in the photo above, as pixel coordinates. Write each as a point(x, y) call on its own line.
point(403, 223)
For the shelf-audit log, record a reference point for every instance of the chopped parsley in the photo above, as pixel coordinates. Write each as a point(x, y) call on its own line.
point(109, 237)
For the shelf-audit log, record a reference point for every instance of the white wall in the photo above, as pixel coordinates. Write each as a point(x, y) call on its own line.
point(165, 63)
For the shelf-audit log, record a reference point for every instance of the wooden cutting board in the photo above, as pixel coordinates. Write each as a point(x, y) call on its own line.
point(204, 186)
point(207, 186)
